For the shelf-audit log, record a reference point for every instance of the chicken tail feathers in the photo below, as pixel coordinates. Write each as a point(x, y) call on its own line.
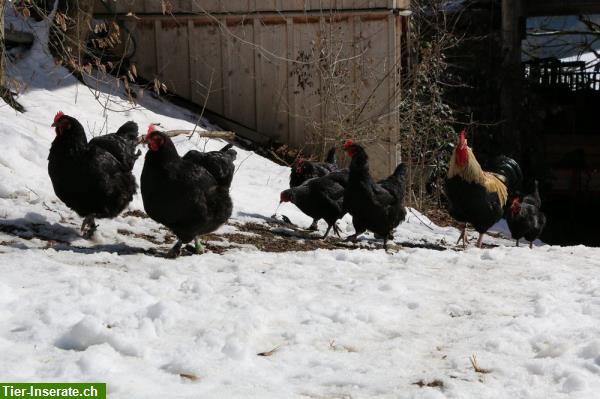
point(331, 156)
point(510, 172)
point(400, 171)
point(229, 151)
point(129, 131)
point(536, 194)
point(226, 148)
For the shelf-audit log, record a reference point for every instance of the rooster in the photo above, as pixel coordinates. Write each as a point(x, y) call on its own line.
point(189, 194)
point(476, 196)
point(303, 170)
point(93, 178)
point(524, 218)
point(375, 206)
point(320, 198)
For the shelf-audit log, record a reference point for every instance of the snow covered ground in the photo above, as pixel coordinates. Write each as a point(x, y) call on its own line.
point(335, 323)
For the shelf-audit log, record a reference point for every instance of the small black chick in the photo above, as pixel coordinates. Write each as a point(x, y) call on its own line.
point(524, 217)
point(321, 198)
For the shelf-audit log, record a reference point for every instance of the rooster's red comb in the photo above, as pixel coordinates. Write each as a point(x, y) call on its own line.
point(347, 144)
point(58, 115)
point(461, 136)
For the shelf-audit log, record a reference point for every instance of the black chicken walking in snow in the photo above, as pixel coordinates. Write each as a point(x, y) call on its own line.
point(524, 218)
point(303, 170)
point(321, 198)
point(189, 194)
point(93, 178)
point(375, 206)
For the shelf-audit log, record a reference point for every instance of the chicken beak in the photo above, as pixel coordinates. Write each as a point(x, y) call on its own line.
point(53, 124)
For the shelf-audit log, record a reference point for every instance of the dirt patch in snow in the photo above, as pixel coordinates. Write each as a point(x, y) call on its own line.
point(270, 236)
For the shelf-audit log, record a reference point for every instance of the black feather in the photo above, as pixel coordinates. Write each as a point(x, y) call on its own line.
point(303, 170)
point(510, 170)
point(321, 197)
point(189, 194)
point(93, 179)
point(525, 218)
point(375, 206)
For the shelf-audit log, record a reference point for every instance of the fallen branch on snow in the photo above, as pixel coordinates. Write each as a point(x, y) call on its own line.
point(225, 135)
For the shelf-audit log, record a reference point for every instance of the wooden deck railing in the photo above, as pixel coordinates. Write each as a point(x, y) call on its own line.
point(571, 75)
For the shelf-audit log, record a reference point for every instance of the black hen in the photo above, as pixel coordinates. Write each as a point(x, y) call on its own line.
point(189, 195)
point(302, 170)
point(321, 198)
point(378, 207)
point(94, 179)
point(524, 218)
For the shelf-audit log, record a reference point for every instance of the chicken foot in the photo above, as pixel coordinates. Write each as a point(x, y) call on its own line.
point(463, 237)
point(313, 226)
point(175, 251)
point(480, 240)
point(88, 227)
point(198, 246)
point(336, 230)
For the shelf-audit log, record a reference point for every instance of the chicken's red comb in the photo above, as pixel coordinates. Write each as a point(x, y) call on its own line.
point(461, 136)
point(58, 115)
point(347, 144)
point(151, 129)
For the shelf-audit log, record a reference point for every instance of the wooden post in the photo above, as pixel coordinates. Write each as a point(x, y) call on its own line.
point(510, 93)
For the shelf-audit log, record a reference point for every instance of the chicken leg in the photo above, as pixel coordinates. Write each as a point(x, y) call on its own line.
point(336, 230)
point(327, 231)
point(463, 237)
point(88, 227)
point(480, 240)
point(175, 251)
point(198, 246)
point(313, 226)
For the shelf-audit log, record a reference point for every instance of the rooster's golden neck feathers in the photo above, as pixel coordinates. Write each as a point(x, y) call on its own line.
point(471, 172)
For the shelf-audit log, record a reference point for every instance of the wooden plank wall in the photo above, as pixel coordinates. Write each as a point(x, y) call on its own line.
point(240, 66)
point(244, 6)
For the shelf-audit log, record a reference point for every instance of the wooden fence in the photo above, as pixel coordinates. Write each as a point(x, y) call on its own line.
point(303, 73)
point(572, 75)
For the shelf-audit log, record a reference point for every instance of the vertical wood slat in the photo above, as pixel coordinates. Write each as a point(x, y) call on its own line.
point(2, 62)
point(226, 50)
point(157, 53)
point(172, 44)
point(258, 77)
point(392, 94)
point(291, 98)
point(206, 64)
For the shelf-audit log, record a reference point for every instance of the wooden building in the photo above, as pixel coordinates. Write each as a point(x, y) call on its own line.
point(306, 73)
point(563, 150)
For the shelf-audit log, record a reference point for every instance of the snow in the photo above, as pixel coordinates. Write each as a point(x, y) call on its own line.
point(331, 323)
